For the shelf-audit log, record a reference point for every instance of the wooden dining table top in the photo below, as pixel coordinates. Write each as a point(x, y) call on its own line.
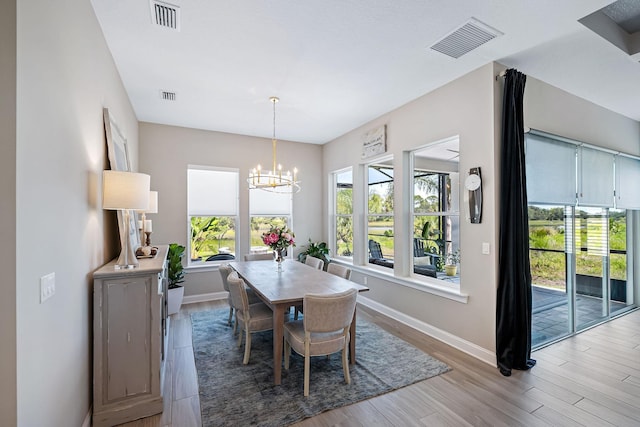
point(291, 285)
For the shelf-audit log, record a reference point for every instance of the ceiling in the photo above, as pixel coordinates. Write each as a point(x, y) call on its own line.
point(337, 64)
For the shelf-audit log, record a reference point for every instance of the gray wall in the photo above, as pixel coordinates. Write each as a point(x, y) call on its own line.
point(8, 368)
point(471, 107)
point(165, 153)
point(65, 75)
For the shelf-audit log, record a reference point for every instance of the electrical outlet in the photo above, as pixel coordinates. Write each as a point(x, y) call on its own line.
point(47, 287)
point(364, 280)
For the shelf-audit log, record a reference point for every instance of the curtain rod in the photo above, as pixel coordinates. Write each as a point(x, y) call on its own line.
point(501, 74)
point(578, 143)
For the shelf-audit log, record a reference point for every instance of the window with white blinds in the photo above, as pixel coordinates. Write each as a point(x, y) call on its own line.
point(564, 172)
point(212, 191)
point(627, 179)
point(551, 170)
point(595, 183)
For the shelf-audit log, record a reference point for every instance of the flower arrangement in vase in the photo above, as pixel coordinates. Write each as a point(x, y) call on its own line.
point(279, 239)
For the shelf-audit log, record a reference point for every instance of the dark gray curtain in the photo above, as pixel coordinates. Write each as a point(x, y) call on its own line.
point(513, 317)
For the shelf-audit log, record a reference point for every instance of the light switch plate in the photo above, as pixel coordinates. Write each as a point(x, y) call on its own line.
point(47, 287)
point(485, 248)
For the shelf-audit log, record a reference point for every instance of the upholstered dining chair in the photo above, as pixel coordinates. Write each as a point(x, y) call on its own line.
point(258, 257)
point(324, 330)
point(225, 270)
point(314, 262)
point(250, 317)
point(339, 270)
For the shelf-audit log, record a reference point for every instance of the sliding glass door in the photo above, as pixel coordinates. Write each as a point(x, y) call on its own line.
point(579, 268)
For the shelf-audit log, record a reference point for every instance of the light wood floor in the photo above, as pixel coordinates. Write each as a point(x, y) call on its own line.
point(592, 379)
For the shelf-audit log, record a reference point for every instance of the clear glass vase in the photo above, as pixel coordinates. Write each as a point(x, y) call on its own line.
point(279, 259)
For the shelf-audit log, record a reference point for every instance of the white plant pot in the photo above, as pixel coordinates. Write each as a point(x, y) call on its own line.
point(174, 300)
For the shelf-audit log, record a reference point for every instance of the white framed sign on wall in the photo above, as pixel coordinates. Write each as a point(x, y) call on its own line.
point(374, 142)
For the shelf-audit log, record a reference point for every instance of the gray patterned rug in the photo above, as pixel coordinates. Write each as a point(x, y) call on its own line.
point(233, 394)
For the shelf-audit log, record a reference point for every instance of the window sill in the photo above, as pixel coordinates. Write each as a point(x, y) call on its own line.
point(203, 268)
point(429, 285)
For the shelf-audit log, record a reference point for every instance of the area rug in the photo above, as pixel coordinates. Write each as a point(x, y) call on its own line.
point(233, 394)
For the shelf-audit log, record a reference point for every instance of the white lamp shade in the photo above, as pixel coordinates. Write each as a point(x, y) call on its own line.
point(153, 202)
point(125, 190)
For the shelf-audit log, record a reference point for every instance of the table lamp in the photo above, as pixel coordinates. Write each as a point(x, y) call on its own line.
point(125, 191)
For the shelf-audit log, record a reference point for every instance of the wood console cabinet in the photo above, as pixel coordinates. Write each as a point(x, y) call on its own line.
point(129, 339)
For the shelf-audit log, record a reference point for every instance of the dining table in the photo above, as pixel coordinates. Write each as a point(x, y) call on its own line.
point(282, 289)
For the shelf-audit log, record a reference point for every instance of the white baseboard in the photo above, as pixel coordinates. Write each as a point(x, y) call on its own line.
point(87, 419)
point(213, 296)
point(444, 336)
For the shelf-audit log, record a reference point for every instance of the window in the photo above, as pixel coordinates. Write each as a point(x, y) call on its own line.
point(380, 214)
point(267, 209)
point(580, 200)
point(343, 213)
point(212, 205)
point(436, 216)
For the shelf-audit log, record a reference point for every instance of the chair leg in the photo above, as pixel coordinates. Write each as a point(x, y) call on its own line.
point(239, 336)
point(287, 354)
point(230, 316)
point(247, 347)
point(307, 363)
point(345, 363)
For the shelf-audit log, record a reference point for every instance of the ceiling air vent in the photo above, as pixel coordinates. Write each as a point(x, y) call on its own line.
point(167, 96)
point(165, 15)
point(466, 38)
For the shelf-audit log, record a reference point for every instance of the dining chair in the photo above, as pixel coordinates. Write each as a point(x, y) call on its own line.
point(225, 270)
point(258, 257)
point(250, 317)
point(339, 270)
point(324, 330)
point(314, 262)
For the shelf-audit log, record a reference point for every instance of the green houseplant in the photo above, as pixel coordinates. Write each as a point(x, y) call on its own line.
point(175, 276)
point(316, 250)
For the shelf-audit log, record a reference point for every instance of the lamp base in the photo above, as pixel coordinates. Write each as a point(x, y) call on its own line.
point(127, 259)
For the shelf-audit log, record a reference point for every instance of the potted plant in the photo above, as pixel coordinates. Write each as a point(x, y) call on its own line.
point(316, 250)
point(175, 277)
point(451, 262)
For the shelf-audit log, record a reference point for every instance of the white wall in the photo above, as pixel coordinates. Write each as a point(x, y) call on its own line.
point(165, 153)
point(65, 75)
point(8, 214)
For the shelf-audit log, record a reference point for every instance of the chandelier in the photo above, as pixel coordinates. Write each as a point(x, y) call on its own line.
point(274, 180)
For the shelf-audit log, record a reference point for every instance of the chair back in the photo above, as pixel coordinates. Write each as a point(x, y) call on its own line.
point(221, 257)
point(329, 312)
point(238, 294)
point(258, 257)
point(316, 263)
point(225, 270)
point(375, 251)
point(418, 247)
point(339, 270)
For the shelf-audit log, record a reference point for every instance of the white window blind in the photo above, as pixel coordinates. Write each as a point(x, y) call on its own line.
point(627, 179)
point(266, 203)
point(595, 187)
point(551, 170)
point(212, 192)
